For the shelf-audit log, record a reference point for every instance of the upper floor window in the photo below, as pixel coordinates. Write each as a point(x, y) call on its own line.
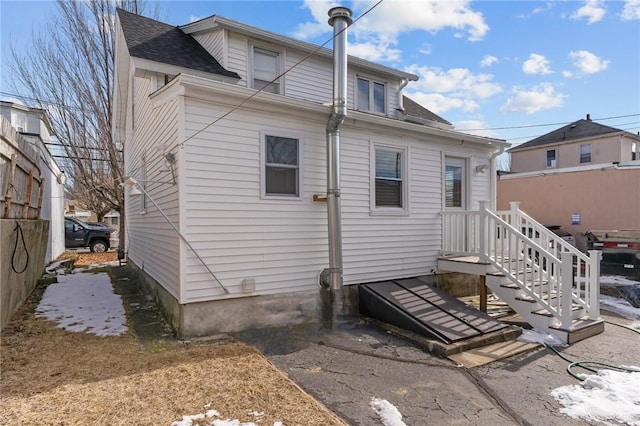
point(371, 96)
point(585, 153)
point(266, 67)
point(634, 151)
point(551, 158)
point(281, 166)
point(390, 179)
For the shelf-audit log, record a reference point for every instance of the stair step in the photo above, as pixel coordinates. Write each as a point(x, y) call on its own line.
point(546, 313)
point(545, 297)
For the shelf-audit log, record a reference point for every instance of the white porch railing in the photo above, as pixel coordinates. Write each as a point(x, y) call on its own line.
point(540, 263)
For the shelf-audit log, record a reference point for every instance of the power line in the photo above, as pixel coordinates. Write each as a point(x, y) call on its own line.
point(313, 52)
point(546, 124)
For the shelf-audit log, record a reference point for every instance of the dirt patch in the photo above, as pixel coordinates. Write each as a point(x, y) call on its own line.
point(51, 376)
point(87, 259)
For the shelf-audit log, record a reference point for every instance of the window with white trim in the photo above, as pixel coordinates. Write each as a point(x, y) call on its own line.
point(389, 189)
point(266, 67)
point(585, 153)
point(281, 166)
point(371, 95)
point(551, 158)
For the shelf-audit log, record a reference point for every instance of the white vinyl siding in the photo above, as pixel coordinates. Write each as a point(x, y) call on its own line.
point(152, 244)
point(281, 243)
point(214, 43)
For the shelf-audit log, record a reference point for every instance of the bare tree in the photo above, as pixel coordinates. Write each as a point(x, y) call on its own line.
point(69, 72)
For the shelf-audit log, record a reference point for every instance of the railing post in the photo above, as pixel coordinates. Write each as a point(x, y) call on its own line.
point(483, 244)
point(595, 256)
point(566, 289)
point(513, 220)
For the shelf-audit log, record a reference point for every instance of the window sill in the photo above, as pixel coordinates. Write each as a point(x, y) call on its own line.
point(389, 212)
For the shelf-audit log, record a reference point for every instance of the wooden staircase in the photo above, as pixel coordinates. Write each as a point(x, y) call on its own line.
point(549, 283)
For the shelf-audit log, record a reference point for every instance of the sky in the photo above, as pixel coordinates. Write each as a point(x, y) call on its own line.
point(512, 70)
point(83, 302)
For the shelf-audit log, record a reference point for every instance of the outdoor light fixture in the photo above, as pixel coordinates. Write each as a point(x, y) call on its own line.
point(480, 168)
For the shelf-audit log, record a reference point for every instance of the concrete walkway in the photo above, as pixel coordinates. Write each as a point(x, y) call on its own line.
point(346, 368)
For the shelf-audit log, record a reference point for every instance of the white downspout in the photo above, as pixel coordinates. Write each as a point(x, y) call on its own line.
point(340, 19)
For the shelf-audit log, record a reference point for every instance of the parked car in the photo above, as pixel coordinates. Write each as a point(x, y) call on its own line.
point(79, 234)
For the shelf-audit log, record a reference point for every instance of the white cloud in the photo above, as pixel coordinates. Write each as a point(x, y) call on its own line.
point(426, 49)
point(593, 10)
point(475, 127)
point(459, 82)
point(540, 97)
point(587, 62)
point(567, 74)
point(488, 60)
point(374, 52)
point(536, 64)
point(439, 104)
point(193, 18)
point(631, 10)
point(537, 10)
point(383, 25)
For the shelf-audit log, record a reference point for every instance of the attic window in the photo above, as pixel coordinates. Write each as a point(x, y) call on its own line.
point(266, 67)
point(371, 96)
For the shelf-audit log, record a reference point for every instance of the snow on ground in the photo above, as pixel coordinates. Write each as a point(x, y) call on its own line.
point(615, 280)
point(619, 306)
point(388, 413)
point(84, 302)
point(610, 396)
point(188, 420)
point(537, 336)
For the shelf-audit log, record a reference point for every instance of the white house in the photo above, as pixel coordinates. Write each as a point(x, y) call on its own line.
point(233, 228)
point(34, 125)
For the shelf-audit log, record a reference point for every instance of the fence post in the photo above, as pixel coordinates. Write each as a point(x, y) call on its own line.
point(595, 256)
point(566, 289)
point(10, 187)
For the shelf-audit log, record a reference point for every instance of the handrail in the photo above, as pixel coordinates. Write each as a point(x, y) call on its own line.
point(541, 264)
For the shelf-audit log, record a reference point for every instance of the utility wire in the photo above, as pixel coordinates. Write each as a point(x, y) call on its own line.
point(546, 124)
point(306, 57)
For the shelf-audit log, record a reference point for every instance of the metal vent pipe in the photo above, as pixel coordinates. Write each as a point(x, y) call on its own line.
point(339, 19)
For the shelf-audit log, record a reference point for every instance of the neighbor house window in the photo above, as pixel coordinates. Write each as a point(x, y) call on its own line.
point(634, 152)
point(585, 153)
point(371, 96)
point(281, 165)
point(390, 179)
point(266, 67)
point(551, 158)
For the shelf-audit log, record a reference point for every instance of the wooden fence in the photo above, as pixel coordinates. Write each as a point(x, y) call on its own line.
point(21, 181)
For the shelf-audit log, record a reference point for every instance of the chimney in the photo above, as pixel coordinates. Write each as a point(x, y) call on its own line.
point(588, 117)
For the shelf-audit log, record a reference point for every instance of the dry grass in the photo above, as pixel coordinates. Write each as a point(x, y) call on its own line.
point(54, 377)
point(86, 259)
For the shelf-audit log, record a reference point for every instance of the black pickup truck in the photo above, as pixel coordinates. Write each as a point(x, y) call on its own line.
point(78, 234)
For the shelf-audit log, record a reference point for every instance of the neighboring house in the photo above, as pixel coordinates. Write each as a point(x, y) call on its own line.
point(231, 227)
point(583, 176)
point(33, 124)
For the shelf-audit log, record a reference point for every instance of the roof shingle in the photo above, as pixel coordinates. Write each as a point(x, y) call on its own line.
point(156, 41)
point(577, 130)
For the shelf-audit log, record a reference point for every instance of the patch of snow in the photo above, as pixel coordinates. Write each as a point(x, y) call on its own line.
point(616, 280)
point(610, 396)
point(388, 413)
point(188, 419)
point(619, 306)
point(84, 303)
point(537, 336)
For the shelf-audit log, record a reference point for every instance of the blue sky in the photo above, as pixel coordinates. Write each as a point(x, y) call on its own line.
point(483, 65)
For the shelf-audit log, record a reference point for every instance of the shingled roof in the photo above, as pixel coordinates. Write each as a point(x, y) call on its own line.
point(414, 109)
point(156, 41)
point(577, 130)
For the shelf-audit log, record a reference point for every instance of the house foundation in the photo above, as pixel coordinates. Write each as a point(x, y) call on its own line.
point(201, 319)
